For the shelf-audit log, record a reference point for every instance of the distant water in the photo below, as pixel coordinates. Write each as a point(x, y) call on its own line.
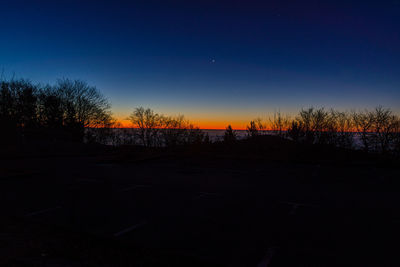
point(123, 134)
point(218, 135)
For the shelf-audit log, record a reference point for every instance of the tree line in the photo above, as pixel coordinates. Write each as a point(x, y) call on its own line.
point(150, 129)
point(60, 112)
point(72, 110)
point(376, 130)
point(155, 129)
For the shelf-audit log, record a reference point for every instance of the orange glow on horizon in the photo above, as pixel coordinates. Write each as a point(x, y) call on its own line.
point(202, 124)
point(209, 125)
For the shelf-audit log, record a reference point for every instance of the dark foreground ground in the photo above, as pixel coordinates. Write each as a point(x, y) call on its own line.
point(262, 205)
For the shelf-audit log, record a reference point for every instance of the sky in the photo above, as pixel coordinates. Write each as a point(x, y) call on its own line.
point(216, 62)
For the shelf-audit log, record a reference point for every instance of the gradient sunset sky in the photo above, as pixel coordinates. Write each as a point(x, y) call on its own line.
point(216, 62)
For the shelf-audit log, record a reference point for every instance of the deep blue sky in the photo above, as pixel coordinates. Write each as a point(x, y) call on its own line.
point(217, 61)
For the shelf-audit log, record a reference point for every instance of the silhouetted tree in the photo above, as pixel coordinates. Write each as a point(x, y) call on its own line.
point(8, 117)
point(18, 105)
point(26, 104)
point(321, 126)
point(194, 135)
point(207, 139)
point(295, 131)
point(173, 130)
point(83, 106)
point(396, 136)
point(30, 111)
point(279, 123)
point(154, 130)
point(261, 127)
point(305, 120)
point(363, 122)
point(50, 111)
point(317, 126)
point(252, 129)
point(230, 135)
point(342, 129)
point(383, 127)
point(148, 124)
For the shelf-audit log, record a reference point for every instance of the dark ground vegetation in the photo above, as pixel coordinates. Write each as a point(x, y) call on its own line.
point(265, 201)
